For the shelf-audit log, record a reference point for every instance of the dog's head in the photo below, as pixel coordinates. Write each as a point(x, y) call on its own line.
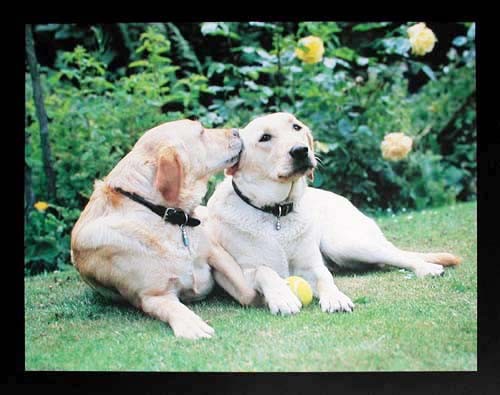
point(278, 147)
point(184, 155)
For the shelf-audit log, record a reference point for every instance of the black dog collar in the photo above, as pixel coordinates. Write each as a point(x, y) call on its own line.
point(278, 210)
point(172, 215)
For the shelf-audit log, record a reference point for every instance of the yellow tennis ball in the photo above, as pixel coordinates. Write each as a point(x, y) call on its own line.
point(301, 289)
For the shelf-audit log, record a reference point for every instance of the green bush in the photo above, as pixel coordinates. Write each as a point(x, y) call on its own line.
point(351, 101)
point(225, 74)
point(47, 238)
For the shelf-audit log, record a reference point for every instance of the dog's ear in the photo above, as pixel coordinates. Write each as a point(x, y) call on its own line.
point(169, 174)
point(310, 142)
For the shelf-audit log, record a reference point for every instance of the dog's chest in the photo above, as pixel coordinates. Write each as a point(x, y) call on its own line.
point(185, 257)
point(288, 235)
point(286, 230)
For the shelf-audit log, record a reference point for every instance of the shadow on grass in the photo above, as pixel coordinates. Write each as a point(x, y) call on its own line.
point(360, 270)
point(103, 306)
point(98, 306)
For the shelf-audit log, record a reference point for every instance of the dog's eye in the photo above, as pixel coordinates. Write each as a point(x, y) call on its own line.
point(296, 127)
point(265, 137)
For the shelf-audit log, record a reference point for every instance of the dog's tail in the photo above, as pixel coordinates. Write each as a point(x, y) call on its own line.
point(441, 258)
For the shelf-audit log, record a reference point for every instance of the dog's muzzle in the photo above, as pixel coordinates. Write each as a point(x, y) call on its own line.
point(301, 160)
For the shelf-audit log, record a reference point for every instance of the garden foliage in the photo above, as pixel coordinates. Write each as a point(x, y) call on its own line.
point(101, 96)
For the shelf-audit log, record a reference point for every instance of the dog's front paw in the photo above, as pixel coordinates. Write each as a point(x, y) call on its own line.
point(190, 326)
point(334, 301)
point(281, 300)
point(429, 269)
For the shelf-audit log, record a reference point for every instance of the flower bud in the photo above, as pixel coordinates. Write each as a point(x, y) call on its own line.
point(41, 206)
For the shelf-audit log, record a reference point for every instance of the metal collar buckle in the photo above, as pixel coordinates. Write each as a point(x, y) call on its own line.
point(166, 213)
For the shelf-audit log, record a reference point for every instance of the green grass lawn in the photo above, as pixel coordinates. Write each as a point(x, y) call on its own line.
point(399, 323)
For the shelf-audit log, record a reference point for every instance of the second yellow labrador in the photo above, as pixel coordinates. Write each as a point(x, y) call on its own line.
point(140, 239)
point(274, 225)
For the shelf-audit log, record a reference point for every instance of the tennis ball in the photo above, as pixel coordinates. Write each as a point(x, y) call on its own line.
point(301, 289)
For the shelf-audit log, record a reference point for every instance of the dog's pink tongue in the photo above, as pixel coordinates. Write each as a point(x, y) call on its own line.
point(231, 170)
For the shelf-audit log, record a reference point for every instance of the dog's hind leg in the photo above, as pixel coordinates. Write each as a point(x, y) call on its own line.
point(441, 258)
point(351, 239)
point(362, 242)
point(377, 251)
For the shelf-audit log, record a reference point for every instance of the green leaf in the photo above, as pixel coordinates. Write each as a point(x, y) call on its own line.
point(265, 25)
point(428, 71)
point(318, 179)
point(49, 27)
point(342, 63)
point(362, 61)
point(251, 85)
point(248, 49)
point(209, 28)
point(397, 45)
point(266, 55)
point(267, 91)
point(139, 63)
point(345, 53)
point(250, 71)
point(471, 33)
point(218, 29)
point(345, 127)
point(459, 41)
point(453, 175)
point(215, 68)
point(363, 27)
point(330, 63)
point(363, 129)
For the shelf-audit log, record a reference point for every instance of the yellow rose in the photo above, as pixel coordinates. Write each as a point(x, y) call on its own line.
point(422, 39)
point(310, 49)
point(396, 146)
point(41, 206)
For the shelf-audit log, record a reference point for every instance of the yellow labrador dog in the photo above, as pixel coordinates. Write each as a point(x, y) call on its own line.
point(274, 225)
point(138, 238)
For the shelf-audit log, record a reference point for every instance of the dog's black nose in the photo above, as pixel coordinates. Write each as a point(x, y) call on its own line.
point(236, 133)
point(299, 152)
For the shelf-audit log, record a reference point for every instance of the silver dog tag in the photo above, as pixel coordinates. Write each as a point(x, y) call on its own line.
point(185, 239)
point(278, 222)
